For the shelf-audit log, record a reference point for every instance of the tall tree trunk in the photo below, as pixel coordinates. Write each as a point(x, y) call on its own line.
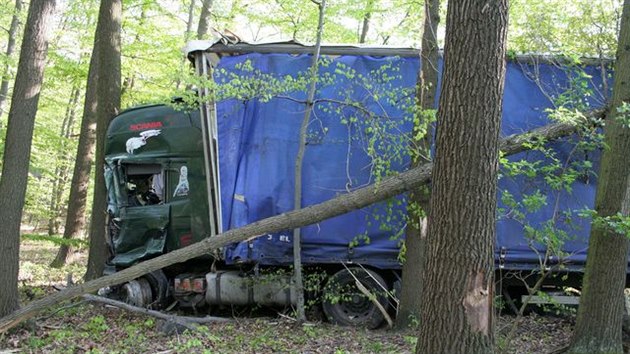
point(204, 19)
point(365, 27)
point(419, 199)
point(189, 23)
point(187, 35)
point(108, 95)
point(456, 305)
point(13, 31)
point(62, 169)
point(65, 166)
point(75, 217)
point(599, 319)
point(28, 84)
point(130, 80)
point(299, 161)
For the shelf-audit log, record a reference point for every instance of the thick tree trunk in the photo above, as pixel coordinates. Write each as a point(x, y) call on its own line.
point(600, 315)
point(13, 32)
point(108, 93)
point(204, 19)
point(75, 217)
point(456, 306)
point(387, 188)
point(28, 84)
point(418, 208)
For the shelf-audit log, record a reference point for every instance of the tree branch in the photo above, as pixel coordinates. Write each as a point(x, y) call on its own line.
point(182, 320)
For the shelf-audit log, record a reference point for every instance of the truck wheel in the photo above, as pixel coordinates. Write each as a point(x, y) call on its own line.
point(160, 288)
point(148, 291)
point(345, 304)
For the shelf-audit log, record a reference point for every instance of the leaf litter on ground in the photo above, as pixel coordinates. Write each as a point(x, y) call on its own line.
point(85, 327)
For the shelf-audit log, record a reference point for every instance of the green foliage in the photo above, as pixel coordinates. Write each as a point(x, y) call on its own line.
point(54, 239)
point(551, 305)
point(391, 22)
point(623, 114)
point(96, 325)
point(545, 176)
point(574, 29)
point(617, 224)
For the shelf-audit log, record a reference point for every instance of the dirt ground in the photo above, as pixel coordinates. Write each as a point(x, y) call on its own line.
point(83, 327)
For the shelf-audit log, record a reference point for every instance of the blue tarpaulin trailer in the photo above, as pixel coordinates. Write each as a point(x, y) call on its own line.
point(247, 132)
point(258, 143)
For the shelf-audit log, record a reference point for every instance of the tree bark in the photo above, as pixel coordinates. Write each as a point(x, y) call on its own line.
point(204, 19)
point(187, 35)
point(189, 23)
point(62, 169)
point(28, 84)
point(456, 306)
point(599, 321)
point(108, 95)
point(418, 206)
point(13, 31)
point(387, 188)
point(130, 80)
point(75, 217)
point(365, 28)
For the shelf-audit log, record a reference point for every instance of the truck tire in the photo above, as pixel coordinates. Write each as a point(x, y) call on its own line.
point(149, 291)
point(160, 288)
point(345, 304)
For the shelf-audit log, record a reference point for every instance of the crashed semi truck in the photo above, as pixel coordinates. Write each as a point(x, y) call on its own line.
point(177, 175)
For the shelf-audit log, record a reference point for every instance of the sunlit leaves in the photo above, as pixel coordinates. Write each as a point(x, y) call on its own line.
point(573, 28)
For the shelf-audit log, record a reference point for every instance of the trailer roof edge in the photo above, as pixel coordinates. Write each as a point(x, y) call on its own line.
point(223, 47)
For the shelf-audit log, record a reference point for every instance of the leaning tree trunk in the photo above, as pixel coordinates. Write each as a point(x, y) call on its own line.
point(13, 31)
point(456, 305)
point(28, 84)
point(418, 206)
point(75, 217)
point(599, 322)
point(387, 188)
point(108, 93)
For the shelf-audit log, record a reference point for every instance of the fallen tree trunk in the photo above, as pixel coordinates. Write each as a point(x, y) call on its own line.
point(387, 188)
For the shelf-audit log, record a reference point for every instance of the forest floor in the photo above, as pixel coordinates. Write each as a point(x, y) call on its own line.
point(85, 327)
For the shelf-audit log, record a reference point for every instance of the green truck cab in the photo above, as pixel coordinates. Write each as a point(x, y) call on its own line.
point(154, 172)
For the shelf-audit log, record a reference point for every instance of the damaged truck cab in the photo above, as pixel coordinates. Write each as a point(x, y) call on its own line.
point(155, 182)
